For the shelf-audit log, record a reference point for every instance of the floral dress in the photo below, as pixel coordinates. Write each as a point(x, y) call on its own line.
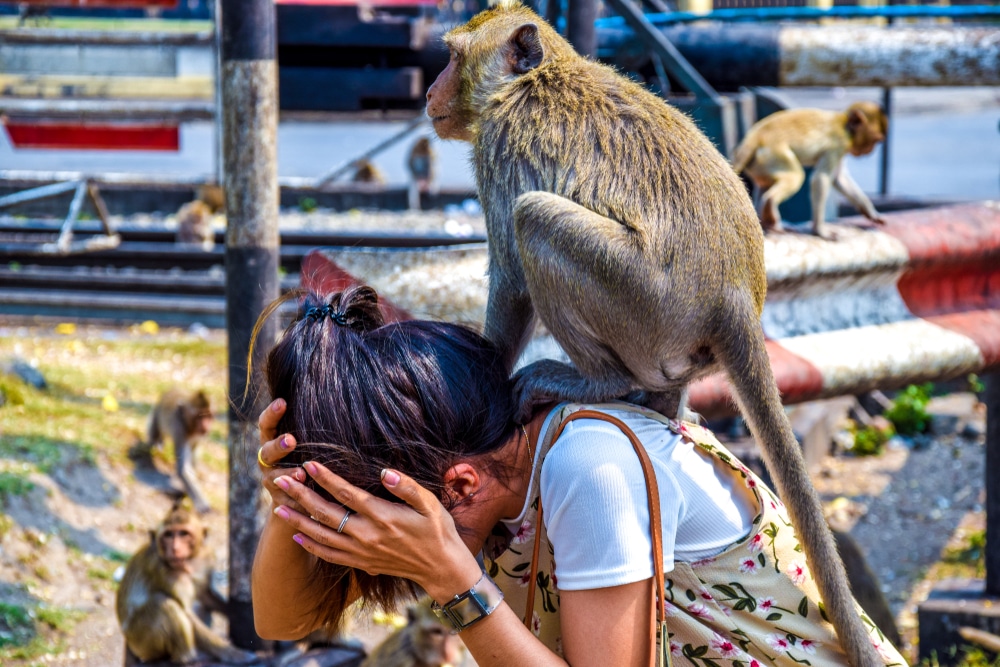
point(753, 605)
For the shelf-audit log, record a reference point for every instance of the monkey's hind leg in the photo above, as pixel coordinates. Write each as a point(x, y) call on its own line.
point(744, 356)
point(580, 267)
point(184, 453)
point(161, 629)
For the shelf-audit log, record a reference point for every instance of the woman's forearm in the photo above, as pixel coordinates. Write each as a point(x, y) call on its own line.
point(501, 640)
point(284, 597)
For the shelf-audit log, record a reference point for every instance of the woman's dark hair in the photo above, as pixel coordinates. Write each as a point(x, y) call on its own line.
point(415, 396)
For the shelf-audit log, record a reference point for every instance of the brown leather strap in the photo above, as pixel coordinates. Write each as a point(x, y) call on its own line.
point(653, 498)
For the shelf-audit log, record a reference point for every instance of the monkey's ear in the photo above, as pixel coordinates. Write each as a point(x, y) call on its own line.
point(526, 48)
point(856, 118)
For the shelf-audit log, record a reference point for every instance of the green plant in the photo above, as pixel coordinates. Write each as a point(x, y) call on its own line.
point(976, 384)
point(870, 441)
point(16, 624)
point(12, 389)
point(908, 413)
point(13, 484)
point(307, 204)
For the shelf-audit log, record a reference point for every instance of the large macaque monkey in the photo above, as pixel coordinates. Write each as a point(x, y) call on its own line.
point(164, 600)
point(185, 418)
point(614, 219)
point(777, 148)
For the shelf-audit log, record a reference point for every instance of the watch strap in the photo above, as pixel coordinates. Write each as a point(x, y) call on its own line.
point(472, 606)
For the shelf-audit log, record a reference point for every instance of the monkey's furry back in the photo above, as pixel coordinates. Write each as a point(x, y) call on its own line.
point(580, 130)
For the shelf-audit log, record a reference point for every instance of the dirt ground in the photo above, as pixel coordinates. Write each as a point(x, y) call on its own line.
point(902, 506)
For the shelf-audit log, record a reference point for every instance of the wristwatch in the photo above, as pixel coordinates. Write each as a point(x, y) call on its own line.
point(471, 606)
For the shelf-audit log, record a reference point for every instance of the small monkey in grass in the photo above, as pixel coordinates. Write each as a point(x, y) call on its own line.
point(612, 218)
point(164, 601)
point(777, 148)
point(185, 418)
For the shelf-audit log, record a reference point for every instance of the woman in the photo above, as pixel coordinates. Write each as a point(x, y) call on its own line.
point(422, 467)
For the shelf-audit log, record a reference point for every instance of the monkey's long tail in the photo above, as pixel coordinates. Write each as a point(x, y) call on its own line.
point(757, 393)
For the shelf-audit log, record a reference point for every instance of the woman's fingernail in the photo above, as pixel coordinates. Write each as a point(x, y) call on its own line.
point(311, 468)
point(299, 476)
point(283, 443)
point(281, 511)
point(277, 404)
point(390, 477)
point(282, 482)
point(298, 538)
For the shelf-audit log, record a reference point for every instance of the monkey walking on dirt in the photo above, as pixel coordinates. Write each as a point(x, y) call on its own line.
point(777, 148)
point(184, 418)
point(615, 220)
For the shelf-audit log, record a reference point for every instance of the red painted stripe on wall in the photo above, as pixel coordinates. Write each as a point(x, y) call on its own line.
point(798, 380)
point(94, 137)
point(90, 4)
point(954, 258)
point(323, 276)
point(982, 326)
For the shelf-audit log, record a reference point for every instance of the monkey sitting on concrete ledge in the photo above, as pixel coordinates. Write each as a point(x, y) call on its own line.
point(777, 148)
point(194, 219)
point(164, 601)
point(423, 642)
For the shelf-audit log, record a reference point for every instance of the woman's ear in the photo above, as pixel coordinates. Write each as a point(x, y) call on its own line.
point(461, 481)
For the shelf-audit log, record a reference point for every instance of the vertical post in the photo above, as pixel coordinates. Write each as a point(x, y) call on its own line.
point(249, 80)
point(883, 175)
point(992, 399)
point(580, 30)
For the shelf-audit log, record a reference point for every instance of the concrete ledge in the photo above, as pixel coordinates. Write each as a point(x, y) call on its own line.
point(953, 604)
point(944, 322)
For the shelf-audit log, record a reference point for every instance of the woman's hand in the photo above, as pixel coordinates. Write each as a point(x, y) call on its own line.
point(272, 450)
point(417, 541)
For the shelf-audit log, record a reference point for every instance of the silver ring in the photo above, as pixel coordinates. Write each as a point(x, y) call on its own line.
point(343, 522)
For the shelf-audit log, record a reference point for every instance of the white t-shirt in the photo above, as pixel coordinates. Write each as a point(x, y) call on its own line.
point(596, 510)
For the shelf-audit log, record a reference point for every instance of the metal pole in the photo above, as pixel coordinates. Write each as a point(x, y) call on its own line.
point(883, 175)
point(580, 31)
point(249, 79)
point(992, 400)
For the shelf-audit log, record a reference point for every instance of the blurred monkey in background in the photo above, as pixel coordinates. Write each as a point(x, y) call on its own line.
point(777, 148)
point(184, 418)
point(366, 172)
point(164, 602)
point(194, 219)
point(420, 163)
point(423, 642)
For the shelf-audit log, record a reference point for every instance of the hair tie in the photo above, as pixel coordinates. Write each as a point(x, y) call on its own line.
point(319, 312)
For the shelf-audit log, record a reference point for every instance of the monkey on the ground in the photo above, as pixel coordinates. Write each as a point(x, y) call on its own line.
point(194, 219)
point(422, 642)
point(420, 163)
point(778, 147)
point(164, 601)
point(366, 172)
point(616, 221)
point(183, 417)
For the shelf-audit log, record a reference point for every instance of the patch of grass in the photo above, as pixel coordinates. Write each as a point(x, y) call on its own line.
point(16, 624)
point(307, 204)
point(12, 388)
point(908, 413)
point(59, 618)
point(13, 484)
point(969, 558)
point(969, 656)
point(870, 441)
point(6, 523)
point(117, 556)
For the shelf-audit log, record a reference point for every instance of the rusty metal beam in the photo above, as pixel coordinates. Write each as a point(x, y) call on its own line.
point(734, 55)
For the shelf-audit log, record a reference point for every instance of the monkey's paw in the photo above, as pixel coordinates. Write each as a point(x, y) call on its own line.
point(537, 384)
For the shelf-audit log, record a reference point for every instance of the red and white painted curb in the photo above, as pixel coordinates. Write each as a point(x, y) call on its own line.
point(915, 300)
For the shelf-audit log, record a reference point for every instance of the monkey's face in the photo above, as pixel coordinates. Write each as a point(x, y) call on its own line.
point(177, 546)
point(449, 118)
point(867, 125)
